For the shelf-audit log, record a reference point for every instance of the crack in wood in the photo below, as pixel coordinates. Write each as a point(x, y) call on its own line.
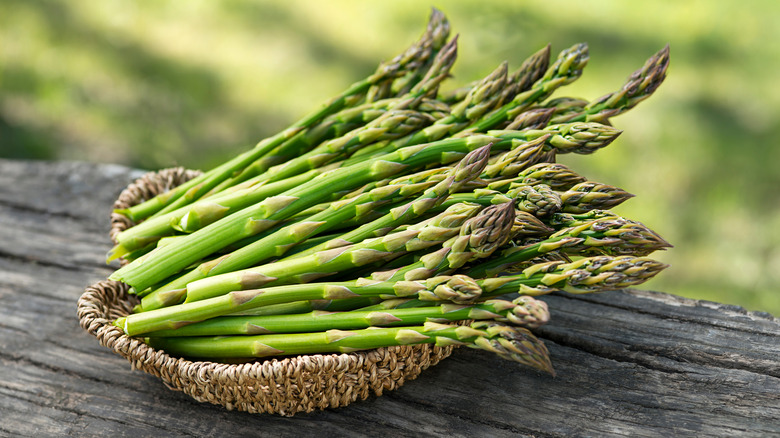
point(651, 311)
point(40, 211)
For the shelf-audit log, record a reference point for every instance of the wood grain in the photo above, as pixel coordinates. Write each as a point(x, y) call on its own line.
point(629, 363)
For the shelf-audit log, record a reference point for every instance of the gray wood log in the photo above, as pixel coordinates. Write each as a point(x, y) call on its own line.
point(629, 363)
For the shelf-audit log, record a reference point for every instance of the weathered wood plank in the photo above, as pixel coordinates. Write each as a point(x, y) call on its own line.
point(630, 363)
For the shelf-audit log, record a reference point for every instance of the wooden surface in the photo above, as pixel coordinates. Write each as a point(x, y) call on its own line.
point(629, 363)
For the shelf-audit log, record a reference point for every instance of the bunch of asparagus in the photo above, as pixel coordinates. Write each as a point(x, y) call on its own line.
point(395, 214)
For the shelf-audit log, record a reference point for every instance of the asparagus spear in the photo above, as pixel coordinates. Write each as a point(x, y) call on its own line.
point(639, 86)
point(530, 71)
point(328, 262)
point(482, 97)
point(479, 100)
point(435, 37)
point(525, 311)
point(458, 289)
point(199, 214)
point(320, 263)
point(512, 343)
point(164, 262)
point(150, 269)
point(565, 70)
point(593, 274)
point(607, 235)
point(333, 126)
point(468, 169)
point(586, 275)
point(277, 243)
point(479, 238)
point(557, 176)
point(536, 118)
point(539, 199)
point(590, 195)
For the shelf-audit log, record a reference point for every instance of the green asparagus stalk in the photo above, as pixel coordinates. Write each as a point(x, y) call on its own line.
point(333, 126)
point(524, 311)
point(556, 176)
point(433, 40)
point(400, 122)
point(329, 262)
point(586, 275)
point(166, 261)
point(391, 125)
point(539, 199)
point(609, 235)
point(279, 242)
point(529, 73)
point(511, 163)
point(565, 70)
point(467, 170)
point(457, 289)
point(591, 195)
point(512, 343)
point(568, 220)
point(149, 269)
point(578, 138)
point(639, 86)
point(536, 118)
point(478, 238)
point(583, 276)
point(482, 97)
point(199, 214)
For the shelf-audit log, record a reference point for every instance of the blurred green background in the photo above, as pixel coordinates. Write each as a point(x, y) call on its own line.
point(163, 83)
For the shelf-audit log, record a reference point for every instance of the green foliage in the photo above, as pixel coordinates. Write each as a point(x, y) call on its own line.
point(156, 84)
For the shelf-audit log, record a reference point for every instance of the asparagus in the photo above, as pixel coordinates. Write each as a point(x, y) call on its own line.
point(480, 98)
point(524, 311)
point(607, 235)
point(539, 199)
point(591, 195)
point(195, 188)
point(468, 169)
point(277, 243)
point(458, 289)
point(328, 262)
point(199, 214)
point(511, 163)
point(478, 238)
point(639, 86)
point(536, 118)
point(579, 137)
point(530, 71)
point(556, 176)
point(512, 343)
point(565, 70)
point(433, 39)
point(165, 261)
point(333, 126)
point(587, 275)
point(151, 269)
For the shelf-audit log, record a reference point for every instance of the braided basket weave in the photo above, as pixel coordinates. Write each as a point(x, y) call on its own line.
point(282, 386)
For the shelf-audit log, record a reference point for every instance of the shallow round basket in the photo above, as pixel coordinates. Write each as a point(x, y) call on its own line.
point(282, 386)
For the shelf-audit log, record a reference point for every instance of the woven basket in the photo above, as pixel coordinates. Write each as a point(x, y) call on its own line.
point(281, 386)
